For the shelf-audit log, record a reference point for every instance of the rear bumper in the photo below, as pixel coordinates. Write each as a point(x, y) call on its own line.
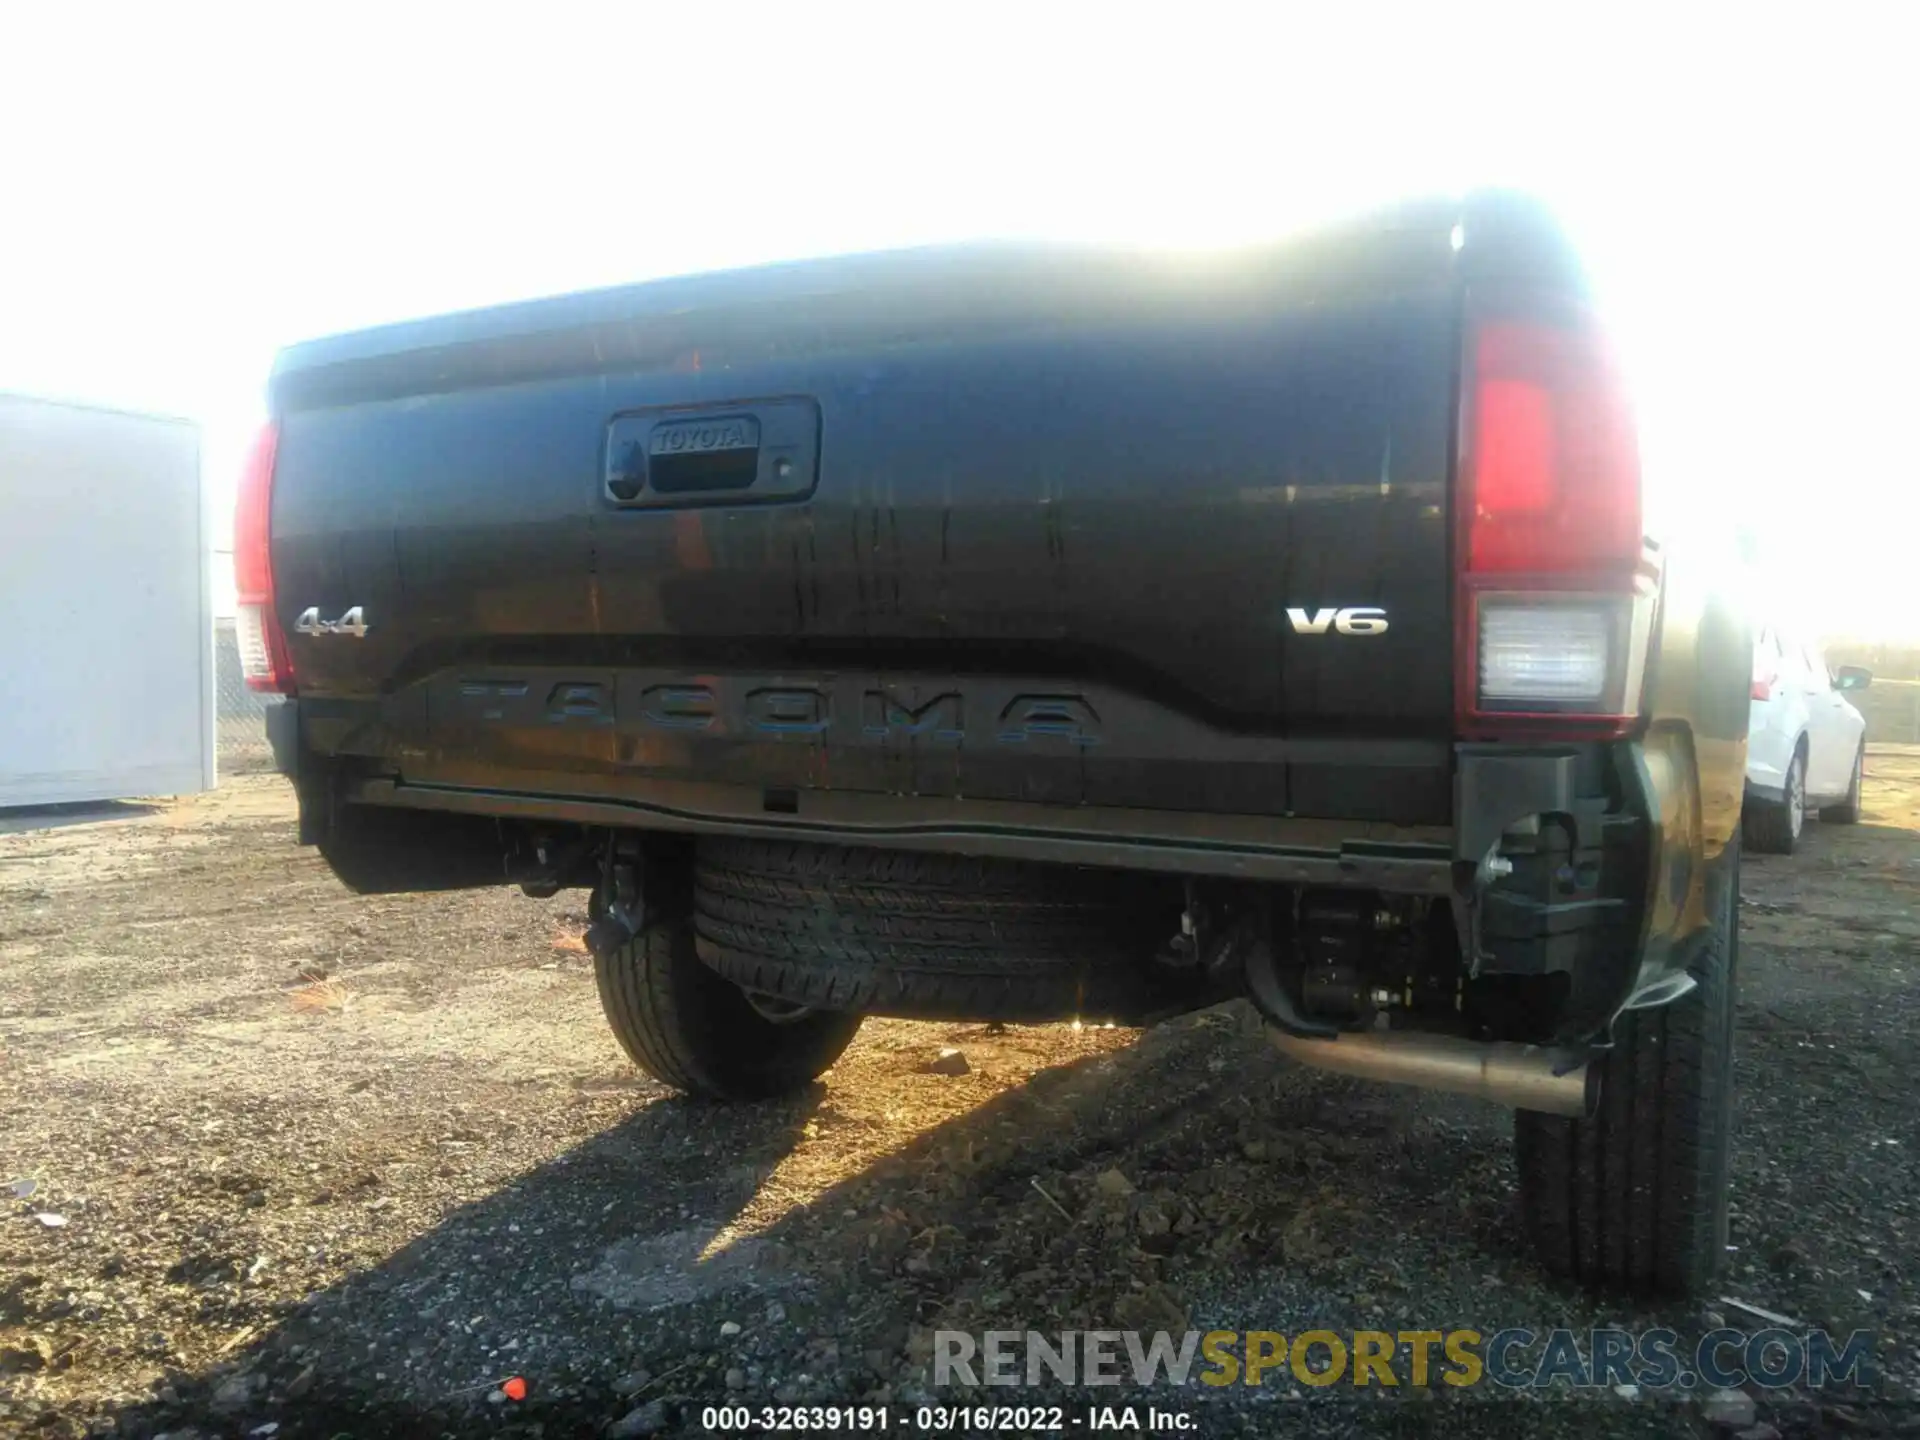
point(1418, 861)
point(1494, 788)
point(785, 789)
point(283, 735)
point(1603, 894)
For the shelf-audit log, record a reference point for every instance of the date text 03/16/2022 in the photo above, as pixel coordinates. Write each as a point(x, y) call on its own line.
point(944, 1419)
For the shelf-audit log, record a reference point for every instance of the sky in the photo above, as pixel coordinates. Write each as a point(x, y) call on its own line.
point(187, 188)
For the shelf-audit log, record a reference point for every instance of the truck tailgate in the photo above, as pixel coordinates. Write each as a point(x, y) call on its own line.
point(985, 523)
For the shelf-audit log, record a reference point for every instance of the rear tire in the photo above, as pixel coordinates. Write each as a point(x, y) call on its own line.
point(689, 1028)
point(1773, 826)
point(1636, 1195)
point(938, 937)
point(1847, 812)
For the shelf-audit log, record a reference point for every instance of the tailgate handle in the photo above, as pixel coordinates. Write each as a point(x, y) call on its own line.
point(718, 454)
point(749, 452)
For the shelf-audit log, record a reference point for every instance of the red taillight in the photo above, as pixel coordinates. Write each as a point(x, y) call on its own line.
point(1553, 469)
point(1555, 600)
point(1764, 676)
point(263, 646)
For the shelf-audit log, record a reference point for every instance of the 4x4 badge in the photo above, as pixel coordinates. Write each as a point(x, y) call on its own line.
point(353, 623)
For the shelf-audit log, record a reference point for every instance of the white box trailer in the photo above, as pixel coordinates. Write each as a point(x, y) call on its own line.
point(106, 629)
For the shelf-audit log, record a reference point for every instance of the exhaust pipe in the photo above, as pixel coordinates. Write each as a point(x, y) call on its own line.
point(1519, 1077)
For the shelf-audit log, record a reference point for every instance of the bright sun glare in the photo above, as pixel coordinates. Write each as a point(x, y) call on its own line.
point(208, 188)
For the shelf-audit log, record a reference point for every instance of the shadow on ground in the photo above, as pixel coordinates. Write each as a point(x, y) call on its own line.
point(1195, 1180)
point(17, 818)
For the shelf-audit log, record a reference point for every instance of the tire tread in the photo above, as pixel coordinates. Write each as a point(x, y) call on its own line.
point(692, 1030)
point(927, 936)
point(1635, 1195)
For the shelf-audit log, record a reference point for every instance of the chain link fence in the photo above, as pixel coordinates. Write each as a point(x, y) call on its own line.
point(239, 713)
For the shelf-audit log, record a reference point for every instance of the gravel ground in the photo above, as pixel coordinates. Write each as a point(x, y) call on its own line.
point(342, 1166)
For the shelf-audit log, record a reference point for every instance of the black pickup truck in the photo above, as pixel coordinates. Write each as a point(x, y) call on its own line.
point(1025, 633)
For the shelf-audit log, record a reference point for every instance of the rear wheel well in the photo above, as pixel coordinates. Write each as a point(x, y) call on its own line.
point(1772, 827)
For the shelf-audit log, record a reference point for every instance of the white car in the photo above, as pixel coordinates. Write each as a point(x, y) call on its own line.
point(1805, 742)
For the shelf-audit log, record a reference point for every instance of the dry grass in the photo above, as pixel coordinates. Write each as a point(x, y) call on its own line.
point(322, 995)
point(1892, 708)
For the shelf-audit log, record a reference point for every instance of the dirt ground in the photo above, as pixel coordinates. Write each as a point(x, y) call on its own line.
point(287, 1162)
